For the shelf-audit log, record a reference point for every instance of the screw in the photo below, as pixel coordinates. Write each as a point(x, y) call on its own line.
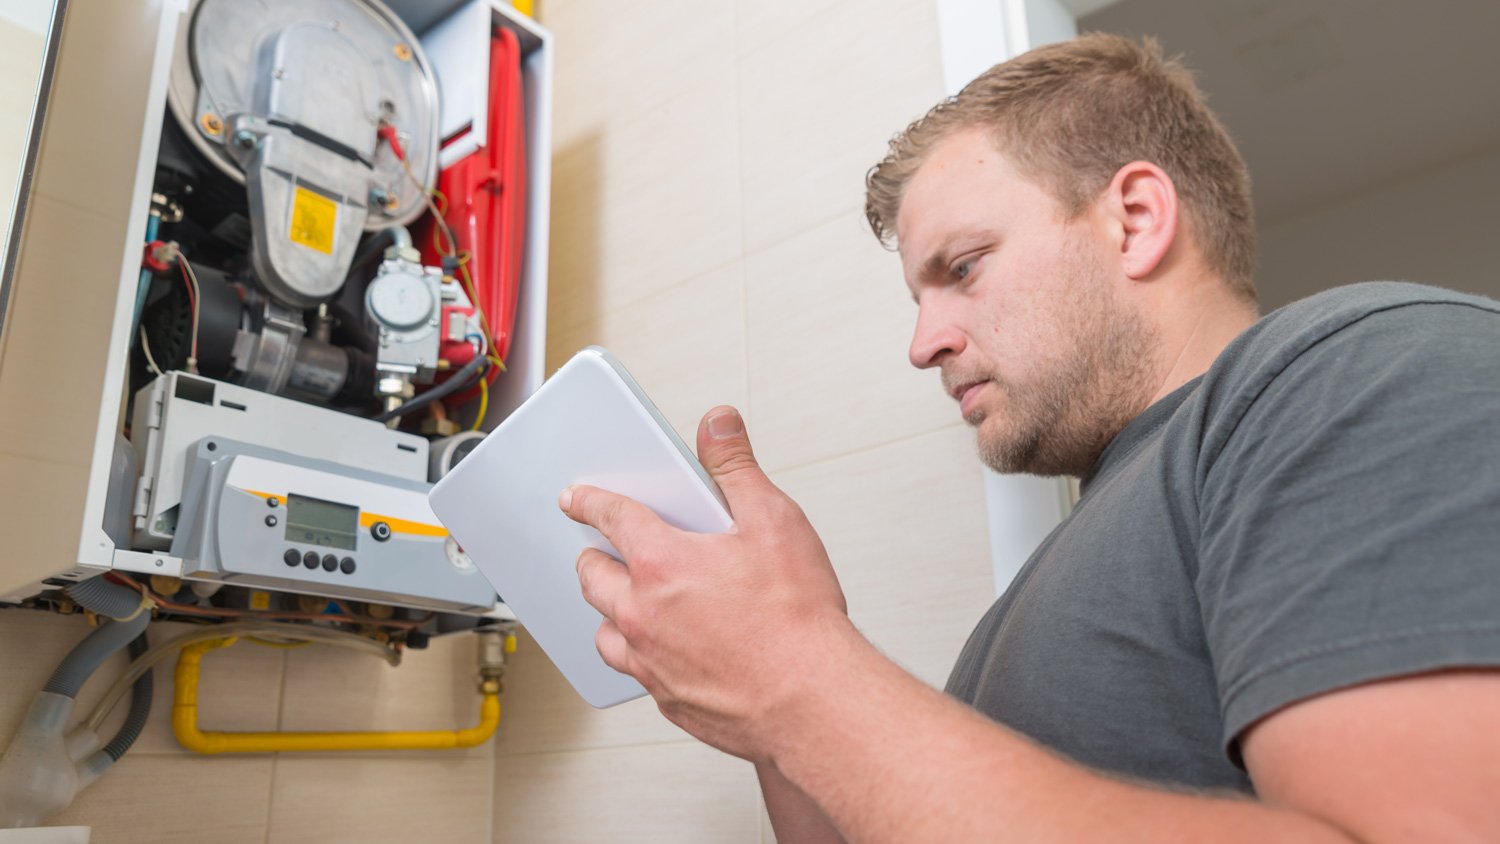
point(211, 123)
point(381, 197)
point(244, 139)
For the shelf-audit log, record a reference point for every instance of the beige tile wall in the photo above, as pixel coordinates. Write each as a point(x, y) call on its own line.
point(708, 228)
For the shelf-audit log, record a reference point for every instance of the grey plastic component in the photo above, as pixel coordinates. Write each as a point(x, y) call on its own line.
point(166, 428)
point(267, 357)
point(402, 305)
point(447, 451)
point(224, 534)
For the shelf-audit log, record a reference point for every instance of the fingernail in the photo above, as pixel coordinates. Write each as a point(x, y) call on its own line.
point(565, 500)
point(725, 425)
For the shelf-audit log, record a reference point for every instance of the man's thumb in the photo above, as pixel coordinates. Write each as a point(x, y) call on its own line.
point(724, 450)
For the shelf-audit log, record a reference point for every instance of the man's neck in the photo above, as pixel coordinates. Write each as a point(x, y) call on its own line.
point(1207, 322)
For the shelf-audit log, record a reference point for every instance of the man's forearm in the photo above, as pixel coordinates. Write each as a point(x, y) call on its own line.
point(795, 818)
point(898, 761)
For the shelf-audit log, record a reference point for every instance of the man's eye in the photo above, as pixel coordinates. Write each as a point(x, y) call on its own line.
point(962, 269)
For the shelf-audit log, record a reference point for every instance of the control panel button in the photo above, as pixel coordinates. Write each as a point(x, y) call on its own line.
point(346, 565)
point(273, 502)
point(270, 521)
point(310, 559)
point(330, 562)
point(381, 531)
point(292, 556)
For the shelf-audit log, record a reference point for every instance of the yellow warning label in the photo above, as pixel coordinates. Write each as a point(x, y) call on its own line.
point(314, 218)
point(260, 600)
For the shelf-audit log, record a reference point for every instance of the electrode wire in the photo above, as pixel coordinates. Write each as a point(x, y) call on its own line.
point(195, 299)
point(146, 347)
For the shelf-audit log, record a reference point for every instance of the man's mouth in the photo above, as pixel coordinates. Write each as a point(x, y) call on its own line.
point(967, 395)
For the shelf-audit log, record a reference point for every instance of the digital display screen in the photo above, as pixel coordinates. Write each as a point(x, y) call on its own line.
point(319, 522)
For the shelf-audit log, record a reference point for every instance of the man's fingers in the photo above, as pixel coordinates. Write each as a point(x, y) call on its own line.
point(604, 580)
point(625, 522)
point(724, 450)
point(613, 648)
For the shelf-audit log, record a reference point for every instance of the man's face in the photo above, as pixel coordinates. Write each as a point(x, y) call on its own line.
point(1019, 308)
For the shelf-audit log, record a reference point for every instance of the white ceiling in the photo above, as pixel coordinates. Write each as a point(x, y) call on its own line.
point(1329, 97)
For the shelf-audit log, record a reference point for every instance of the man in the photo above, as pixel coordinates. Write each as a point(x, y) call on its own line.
point(1274, 615)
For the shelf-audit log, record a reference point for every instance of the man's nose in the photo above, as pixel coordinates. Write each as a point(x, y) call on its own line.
point(936, 337)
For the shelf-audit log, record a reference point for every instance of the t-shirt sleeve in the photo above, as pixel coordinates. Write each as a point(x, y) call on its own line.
point(1351, 519)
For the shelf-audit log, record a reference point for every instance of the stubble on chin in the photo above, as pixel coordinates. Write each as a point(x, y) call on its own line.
point(1061, 422)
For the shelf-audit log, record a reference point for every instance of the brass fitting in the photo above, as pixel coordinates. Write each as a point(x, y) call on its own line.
point(440, 427)
point(491, 648)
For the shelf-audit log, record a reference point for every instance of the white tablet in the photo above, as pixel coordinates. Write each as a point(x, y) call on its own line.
point(590, 423)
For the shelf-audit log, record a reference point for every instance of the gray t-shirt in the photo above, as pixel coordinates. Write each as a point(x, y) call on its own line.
point(1320, 509)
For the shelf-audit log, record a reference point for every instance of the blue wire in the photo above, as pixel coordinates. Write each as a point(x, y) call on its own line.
point(153, 221)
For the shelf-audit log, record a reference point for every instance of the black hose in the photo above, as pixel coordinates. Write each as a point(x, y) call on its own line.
point(140, 705)
point(375, 246)
point(460, 380)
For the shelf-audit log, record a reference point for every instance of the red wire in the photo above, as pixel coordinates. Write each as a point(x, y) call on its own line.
point(388, 133)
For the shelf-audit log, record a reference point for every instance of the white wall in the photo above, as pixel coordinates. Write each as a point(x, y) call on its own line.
point(1437, 227)
point(20, 63)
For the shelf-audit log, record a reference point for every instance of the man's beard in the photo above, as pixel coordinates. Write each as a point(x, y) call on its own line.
point(1061, 420)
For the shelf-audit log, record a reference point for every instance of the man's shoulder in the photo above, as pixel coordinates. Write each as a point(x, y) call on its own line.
point(1293, 331)
point(1309, 360)
point(1340, 306)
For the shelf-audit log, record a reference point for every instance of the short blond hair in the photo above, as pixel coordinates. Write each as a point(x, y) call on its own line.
point(1070, 115)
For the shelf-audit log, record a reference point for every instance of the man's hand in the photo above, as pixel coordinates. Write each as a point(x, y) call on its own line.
point(720, 629)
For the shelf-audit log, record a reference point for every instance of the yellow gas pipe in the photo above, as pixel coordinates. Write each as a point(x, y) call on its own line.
point(185, 722)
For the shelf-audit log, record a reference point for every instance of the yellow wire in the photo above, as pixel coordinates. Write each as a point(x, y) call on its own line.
point(484, 401)
point(437, 204)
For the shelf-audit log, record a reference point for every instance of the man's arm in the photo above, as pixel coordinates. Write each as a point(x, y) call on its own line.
point(795, 818)
point(794, 686)
point(1412, 760)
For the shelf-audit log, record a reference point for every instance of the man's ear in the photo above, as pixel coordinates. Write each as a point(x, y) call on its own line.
point(1142, 203)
